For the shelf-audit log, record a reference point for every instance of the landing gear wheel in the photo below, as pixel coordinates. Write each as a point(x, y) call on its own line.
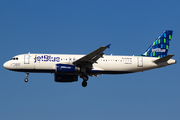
point(26, 80)
point(84, 83)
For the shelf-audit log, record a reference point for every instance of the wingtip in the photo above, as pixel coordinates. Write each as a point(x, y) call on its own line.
point(108, 46)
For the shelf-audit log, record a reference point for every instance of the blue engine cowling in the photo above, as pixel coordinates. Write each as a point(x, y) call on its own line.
point(65, 78)
point(66, 68)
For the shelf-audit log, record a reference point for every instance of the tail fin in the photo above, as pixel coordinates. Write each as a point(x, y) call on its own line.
point(160, 46)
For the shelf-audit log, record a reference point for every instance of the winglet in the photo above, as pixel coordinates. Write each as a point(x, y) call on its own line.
point(108, 46)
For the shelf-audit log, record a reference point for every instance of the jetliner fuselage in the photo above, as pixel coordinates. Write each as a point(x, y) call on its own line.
point(46, 63)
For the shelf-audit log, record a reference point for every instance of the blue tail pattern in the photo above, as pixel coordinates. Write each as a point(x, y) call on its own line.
point(160, 46)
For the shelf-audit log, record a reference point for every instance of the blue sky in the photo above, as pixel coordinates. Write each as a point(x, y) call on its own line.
point(79, 27)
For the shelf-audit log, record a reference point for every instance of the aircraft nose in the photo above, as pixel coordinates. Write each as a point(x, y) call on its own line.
point(5, 65)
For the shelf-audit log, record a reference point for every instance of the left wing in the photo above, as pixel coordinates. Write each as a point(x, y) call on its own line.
point(91, 58)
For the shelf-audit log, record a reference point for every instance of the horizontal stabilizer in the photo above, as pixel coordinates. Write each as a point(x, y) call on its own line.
point(164, 59)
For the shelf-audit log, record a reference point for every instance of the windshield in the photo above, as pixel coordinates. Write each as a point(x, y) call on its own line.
point(14, 58)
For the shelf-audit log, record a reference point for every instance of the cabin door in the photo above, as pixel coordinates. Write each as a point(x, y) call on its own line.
point(26, 59)
point(140, 61)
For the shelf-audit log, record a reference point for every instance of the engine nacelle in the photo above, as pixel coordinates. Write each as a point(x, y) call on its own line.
point(65, 78)
point(66, 68)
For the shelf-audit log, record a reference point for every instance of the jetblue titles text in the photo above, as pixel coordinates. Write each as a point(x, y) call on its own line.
point(46, 58)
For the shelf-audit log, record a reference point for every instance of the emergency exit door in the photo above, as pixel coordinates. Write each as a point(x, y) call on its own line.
point(139, 61)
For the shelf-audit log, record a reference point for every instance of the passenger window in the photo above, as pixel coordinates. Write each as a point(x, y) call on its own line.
point(16, 58)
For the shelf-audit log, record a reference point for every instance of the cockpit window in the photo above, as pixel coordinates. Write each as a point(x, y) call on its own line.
point(14, 58)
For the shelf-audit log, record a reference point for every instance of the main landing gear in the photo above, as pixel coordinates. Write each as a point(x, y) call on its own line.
point(85, 79)
point(26, 79)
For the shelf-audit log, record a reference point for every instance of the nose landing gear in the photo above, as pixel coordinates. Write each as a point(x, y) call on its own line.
point(26, 79)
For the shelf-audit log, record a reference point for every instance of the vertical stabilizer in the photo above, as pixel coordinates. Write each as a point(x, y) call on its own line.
point(160, 46)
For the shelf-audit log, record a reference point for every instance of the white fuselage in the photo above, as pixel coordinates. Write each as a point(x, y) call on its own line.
point(107, 65)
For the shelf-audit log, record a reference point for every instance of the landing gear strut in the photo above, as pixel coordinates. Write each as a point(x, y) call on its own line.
point(26, 79)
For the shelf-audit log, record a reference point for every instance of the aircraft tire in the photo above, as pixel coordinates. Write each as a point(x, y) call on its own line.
point(25, 80)
point(84, 83)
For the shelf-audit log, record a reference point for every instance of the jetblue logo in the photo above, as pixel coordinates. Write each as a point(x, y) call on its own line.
point(46, 58)
point(65, 67)
point(158, 50)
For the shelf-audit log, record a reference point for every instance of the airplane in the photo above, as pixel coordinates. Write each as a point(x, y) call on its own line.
point(67, 67)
